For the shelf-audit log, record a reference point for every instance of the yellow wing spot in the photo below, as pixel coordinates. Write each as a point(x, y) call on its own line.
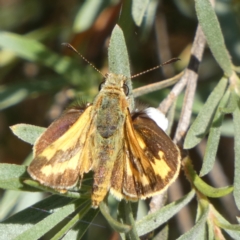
point(145, 180)
point(48, 153)
point(59, 168)
point(161, 166)
point(140, 141)
point(130, 171)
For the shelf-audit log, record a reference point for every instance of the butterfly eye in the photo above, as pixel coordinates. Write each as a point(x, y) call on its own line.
point(101, 85)
point(125, 89)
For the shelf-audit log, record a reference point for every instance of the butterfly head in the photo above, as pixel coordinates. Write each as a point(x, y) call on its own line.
point(115, 82)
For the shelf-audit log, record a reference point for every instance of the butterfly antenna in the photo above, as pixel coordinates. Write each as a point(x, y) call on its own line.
point(68, 45)
point(151, 69)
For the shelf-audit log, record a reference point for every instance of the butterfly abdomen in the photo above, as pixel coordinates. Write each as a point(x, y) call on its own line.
point(105, 155)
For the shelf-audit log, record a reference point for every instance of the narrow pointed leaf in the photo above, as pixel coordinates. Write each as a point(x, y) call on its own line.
point(232, 229)
point(129, 217)
point(214, 137)
point(156, 86)
point(15, 93)
point(202, 123)
point(8, 202)
point(87, 14)
point(35, 51)
point(212, 31)
point(117, 53)
point(45, 225)
point(236, 184)
point(118, 59)
point(156, 219)
point(118, 226)
point(139, 7)
point(40, 187)
point(197, 232)
point(82, 225)
point(232, 103)
point(203, 187)
point(52, 209)
point(210, 230)
point(12, 177)
point(62, 234)
point(26, 132)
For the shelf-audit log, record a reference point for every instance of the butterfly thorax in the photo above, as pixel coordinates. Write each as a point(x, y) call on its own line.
point(111, 106)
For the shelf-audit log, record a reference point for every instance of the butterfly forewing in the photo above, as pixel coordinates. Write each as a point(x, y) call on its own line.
point(57, 129)
point(58, 159)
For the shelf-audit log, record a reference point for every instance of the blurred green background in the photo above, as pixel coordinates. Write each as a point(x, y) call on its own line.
point(39, 77)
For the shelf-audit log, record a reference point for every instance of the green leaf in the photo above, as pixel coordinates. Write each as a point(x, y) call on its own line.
point(203, 187)
point(8, 202)
point(11, 198)
point(82, 225)
point(227, 128)
point(232, 229)
point(26, 132)
point(12, 177)
point(25, 219)
point(232, 103)
point(35, 221)
point(87, 14)
point(236, 183)
point(197, 232)
point(214, 137)
point(156, 219)
point(85, 208)
point(129, 218)
point(202, 204)
point(9, 98)
point(7, 57)
point(119, 227)
point(149, 19)
point(211, 28)
point(201, 124)
point(118, 59)
point(139, 7)
point(117, 53)
point(210, 230)
point(40, 187)
point(156, 86)
point(13, 94)
point(34, 51)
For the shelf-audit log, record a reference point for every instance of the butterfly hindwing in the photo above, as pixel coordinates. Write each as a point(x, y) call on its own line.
point(151, 161)
point(159, 149)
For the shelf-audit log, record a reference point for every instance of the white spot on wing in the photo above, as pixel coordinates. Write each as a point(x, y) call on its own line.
point(158, 117)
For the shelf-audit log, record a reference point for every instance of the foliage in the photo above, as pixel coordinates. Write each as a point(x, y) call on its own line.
point(215, 105)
